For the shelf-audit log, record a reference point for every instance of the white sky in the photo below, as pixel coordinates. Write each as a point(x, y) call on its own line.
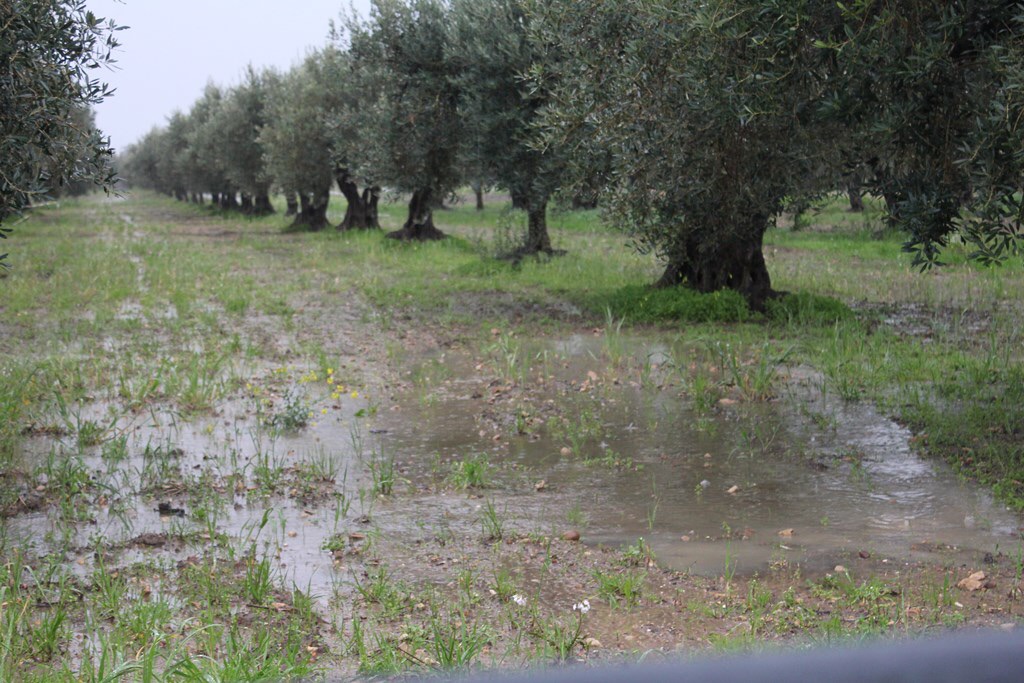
point(172, 48)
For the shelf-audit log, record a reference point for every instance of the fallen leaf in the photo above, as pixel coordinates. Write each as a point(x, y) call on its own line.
point(785, 532)
point(540, 485)
point(974, 582)
point(732, 489)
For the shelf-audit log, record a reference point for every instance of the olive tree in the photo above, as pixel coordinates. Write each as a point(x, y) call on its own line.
point(297, 142)
point(409, 125)
point(350, 96)
point(703, 114)
point(48, 51)
point(712, 115)
point(492, 55)
point(232, 133)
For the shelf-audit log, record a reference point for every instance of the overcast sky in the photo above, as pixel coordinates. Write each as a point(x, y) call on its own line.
point(172, 48)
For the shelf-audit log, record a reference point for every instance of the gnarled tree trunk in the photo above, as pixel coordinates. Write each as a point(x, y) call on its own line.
point(420, 222)
point(371, 198)
point(312, 213)
point(359, 215)
point(246, 204)
point(736, 264)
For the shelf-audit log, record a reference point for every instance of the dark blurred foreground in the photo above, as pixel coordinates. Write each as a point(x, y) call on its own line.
point(981, 657)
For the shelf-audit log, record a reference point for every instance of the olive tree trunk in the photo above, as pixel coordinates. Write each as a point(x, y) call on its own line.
point(261, 203)
point(359, 213)
point(736, 264)
point(419, 225)
point(537, 239)
point(312, 213)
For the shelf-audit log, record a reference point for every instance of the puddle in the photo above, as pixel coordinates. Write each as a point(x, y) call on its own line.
point(710, 493)
point(758, 484)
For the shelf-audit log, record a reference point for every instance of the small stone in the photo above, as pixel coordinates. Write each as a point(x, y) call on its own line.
point(732, 489)
point(571, 535)
point(785, 533)
point(566, 450)
point(684, 538)
point(593, 643)
point(704, 483)
point(840, 569)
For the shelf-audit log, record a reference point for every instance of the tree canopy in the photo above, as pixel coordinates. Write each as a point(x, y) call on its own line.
point(48, 53)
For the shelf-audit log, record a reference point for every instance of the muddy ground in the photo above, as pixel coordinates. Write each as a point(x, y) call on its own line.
point(438, 477)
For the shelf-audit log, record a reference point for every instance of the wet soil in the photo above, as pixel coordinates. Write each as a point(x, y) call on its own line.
point(794, 519)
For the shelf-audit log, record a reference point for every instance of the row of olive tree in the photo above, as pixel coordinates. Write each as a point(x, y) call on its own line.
point(696, 123)
point(419, 97)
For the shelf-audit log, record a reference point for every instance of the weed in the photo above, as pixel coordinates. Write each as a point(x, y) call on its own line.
point(576, 516)
point(294, 412)
point(383, 474)
point(561, 638)
point(492, 522)
point(624, 587)
point(381, 589)
point(507, 356)
point(471, 473)
point(614, 344)
point(504, 584)
point(456, 645)
point(257, 582)
point(579, 430)
point(638, 554)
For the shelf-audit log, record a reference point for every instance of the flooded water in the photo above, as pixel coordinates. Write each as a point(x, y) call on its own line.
point(805, 478)
point(618, 455)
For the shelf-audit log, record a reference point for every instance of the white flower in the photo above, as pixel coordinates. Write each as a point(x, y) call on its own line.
point(519, 600)
point(582, 607)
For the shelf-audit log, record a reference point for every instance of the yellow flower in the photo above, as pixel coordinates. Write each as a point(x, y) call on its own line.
point(354, 394)
point(330, 371)
point(323, 411)
point(330, 380)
